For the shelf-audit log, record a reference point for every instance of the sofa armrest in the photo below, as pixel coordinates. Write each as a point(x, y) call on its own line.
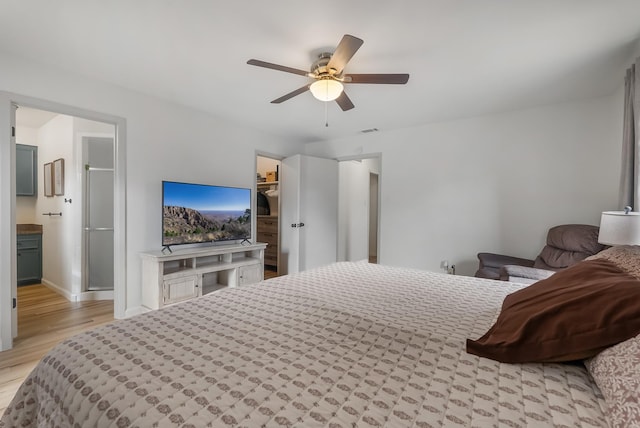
point(523, 274)
point(499, 260)
point(490, 264)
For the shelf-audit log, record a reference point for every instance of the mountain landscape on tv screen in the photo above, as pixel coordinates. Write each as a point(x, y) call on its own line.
point(188, 226)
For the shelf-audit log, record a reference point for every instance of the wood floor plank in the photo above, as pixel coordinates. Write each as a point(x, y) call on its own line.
point(44, 319)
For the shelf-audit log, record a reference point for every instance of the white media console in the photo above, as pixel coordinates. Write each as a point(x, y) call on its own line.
point(169, 278)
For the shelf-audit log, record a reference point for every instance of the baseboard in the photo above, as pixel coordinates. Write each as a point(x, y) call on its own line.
point(72, 297)
point(138, 310)
point(92, 295)
point(96, 295)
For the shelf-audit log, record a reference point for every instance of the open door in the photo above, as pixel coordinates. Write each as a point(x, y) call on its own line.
point(309, 212)
point(8, 255)
point(14, 279)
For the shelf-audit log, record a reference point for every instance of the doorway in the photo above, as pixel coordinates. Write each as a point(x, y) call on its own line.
point(267, 211)
point(59, 196)
point(358, 212)
point(354, 198)
point(374, 189)
point(71, 208)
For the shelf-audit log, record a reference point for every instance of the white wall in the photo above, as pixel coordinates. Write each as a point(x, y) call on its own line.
point(264, 165)
point(164, 141)
point(495, 183)
point(55, 141)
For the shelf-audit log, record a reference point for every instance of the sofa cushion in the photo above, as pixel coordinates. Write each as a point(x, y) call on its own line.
point(568, 244)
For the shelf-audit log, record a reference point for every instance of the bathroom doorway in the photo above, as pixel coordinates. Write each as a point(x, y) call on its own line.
point(71, 208)
point(72, 265)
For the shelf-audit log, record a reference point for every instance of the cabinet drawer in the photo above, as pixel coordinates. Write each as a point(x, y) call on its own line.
point(267, 225)
point(271, 251)
point(271, 260)
point(269, 238)
point(28, 242)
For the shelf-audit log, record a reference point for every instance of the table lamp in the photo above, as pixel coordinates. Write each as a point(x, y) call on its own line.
point(620, 227)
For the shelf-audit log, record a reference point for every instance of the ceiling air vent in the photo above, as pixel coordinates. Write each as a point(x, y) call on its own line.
point(366, 131)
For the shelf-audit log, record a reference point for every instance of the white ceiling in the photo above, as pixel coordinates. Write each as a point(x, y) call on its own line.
point(465, 57)
point(33, 118)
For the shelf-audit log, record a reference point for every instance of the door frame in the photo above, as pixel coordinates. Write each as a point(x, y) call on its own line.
point(8, 258)
point(378, 156)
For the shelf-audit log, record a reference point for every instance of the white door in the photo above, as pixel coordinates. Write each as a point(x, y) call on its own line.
point(309, 212)
point(14, 281)
point(353, 224)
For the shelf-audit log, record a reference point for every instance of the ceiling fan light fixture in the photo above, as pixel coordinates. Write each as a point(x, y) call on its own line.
point(326, 89)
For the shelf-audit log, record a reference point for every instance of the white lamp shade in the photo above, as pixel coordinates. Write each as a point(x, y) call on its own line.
point(326, 89)
point(618, 228)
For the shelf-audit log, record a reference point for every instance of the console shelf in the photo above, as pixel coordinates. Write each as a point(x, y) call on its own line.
point(169, 278)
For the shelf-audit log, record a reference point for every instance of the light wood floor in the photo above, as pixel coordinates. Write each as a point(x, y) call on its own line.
point(44, 319)
point(270, 272)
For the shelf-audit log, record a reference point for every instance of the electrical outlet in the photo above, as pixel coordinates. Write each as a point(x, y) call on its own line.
point(444, 265)
point(451, 270)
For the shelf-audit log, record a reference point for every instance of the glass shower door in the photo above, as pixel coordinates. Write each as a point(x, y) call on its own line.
point(98, 229)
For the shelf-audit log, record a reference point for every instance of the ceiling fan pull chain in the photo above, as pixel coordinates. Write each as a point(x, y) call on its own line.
point(326, 114)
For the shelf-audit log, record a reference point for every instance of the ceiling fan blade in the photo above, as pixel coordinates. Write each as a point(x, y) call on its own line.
point(291, 94)
point(397, 79)
point(278, 67)
point(344, 51)
point(344, 102)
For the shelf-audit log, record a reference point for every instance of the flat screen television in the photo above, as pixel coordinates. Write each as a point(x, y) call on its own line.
point(197, 213)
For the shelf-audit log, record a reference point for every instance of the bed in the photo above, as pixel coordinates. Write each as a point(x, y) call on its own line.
point(345, 345)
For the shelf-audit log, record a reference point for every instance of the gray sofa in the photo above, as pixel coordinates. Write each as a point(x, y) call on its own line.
point(566, 245)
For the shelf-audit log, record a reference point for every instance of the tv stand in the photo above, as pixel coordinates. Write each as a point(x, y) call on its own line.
point(187, 273)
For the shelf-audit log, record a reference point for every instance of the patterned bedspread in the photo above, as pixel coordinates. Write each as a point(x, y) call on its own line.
point(350, 344)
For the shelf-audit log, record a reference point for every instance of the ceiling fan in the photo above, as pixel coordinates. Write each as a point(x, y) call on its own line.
point(329, 77)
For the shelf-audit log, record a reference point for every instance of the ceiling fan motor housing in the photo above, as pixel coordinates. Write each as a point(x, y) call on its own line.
point(319, 67)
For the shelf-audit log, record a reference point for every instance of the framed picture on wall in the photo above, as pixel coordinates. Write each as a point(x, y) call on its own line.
point(58, 177)
point(48, 179)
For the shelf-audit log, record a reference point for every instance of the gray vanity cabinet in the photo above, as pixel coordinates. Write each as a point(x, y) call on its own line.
point(29, 259)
